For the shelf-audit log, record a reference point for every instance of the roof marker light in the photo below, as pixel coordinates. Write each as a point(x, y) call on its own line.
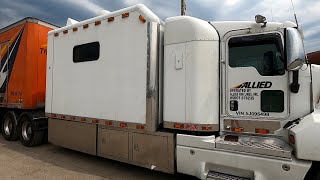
point(65, 31)
point(142, 19)
point(75, 29)
point(125, 15)
point(56, 34)
point(85, 26)
point(110, 19)
point(97, 23)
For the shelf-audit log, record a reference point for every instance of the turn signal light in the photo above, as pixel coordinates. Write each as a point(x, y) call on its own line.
point(83, 120)
point(140, 127)
point(292, 139)
point(238, 129)
point(123, 124)
point(206, 128)
point(262, 131)
point(178, 126)
point(109, 123)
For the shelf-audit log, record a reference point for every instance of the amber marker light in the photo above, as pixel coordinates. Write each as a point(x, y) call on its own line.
point(125, 15)
point(142, 19)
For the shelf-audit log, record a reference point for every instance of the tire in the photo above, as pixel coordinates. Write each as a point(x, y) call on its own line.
point(314, 172)
point(29, 137)
point(9, 126)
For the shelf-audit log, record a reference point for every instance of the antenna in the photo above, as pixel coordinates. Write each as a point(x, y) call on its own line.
point(294, 13)
point(183, 7)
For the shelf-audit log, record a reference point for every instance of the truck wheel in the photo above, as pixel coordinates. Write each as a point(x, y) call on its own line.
point(29, 137)
point(9, 126)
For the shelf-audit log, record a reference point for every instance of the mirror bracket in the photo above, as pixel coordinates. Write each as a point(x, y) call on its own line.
point(295, 86)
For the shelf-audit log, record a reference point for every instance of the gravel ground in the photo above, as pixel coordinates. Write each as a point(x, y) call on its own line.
point(52, 162)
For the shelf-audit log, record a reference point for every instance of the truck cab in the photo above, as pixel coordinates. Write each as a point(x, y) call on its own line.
point(265, 100)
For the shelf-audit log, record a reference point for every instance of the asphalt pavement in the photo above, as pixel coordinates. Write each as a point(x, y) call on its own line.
point(52, 162)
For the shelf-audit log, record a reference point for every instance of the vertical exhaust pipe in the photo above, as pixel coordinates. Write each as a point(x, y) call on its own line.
point(183, 7)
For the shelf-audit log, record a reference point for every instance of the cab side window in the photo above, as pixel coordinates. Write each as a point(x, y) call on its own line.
point(263, 52)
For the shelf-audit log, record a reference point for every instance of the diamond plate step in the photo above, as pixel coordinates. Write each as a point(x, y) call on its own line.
point(257, 145)
point(212, 175)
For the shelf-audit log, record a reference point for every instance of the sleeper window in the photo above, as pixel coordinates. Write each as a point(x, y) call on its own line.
point(86, 52)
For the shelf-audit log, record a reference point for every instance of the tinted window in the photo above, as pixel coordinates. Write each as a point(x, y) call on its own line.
point(86, 52)
point(272, 101)
point(263, 52)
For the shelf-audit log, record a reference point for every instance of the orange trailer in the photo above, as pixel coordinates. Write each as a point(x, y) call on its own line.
point(23, 54)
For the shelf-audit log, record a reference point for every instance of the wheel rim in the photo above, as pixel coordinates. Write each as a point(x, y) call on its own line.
point(26, 130)
point(8, 126)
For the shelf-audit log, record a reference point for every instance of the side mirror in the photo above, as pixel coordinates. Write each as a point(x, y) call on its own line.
point(295, 50)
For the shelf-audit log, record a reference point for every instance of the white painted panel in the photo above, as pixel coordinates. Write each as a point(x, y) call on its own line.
point(114, 86)
point(202, 82)
point(174, 85)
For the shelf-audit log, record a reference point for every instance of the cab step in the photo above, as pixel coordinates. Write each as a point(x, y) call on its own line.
point(254, 144)
point(212, 175)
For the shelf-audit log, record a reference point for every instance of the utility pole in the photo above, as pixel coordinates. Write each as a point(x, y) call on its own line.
point(183, 7)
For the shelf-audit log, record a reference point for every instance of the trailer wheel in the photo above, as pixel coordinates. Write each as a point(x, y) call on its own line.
point(29, 137)
point(9, 127)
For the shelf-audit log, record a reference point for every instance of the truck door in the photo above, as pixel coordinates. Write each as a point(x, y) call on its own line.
point(256, 80)
point(4, 56)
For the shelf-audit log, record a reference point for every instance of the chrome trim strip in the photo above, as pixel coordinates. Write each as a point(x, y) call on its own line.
point(152, 77)
point(103, 122)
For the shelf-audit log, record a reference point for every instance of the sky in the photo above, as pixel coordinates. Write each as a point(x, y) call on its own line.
point(57, 11)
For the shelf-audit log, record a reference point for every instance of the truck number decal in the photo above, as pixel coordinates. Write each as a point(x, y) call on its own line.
point(239, 113)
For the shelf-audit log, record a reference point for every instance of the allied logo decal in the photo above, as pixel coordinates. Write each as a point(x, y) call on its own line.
point(256, 85)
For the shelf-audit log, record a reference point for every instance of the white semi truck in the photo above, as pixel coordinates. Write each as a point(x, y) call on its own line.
point(214, 100)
